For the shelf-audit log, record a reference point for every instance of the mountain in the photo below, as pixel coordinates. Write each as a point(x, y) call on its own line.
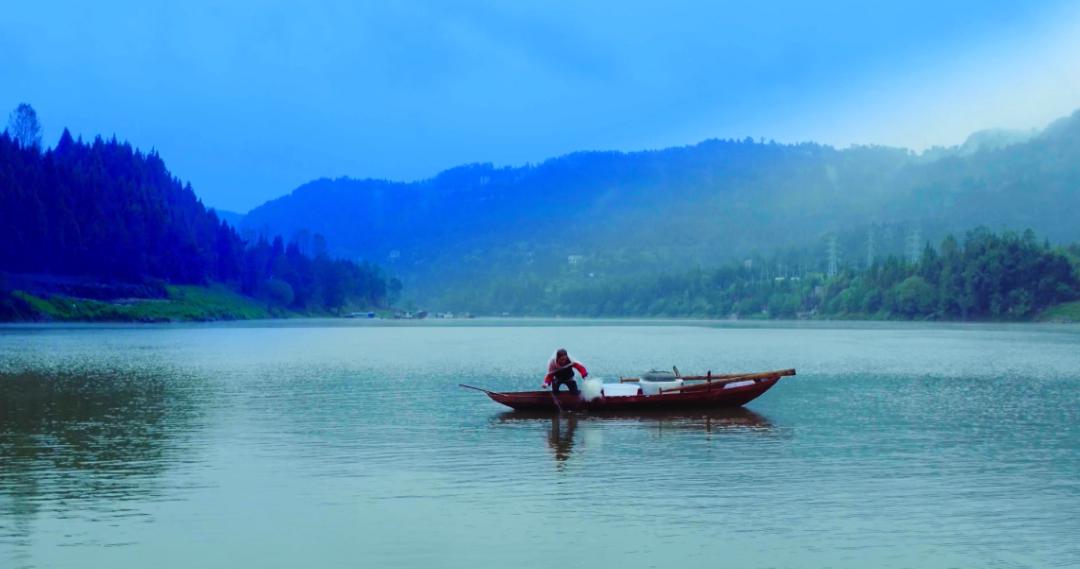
point(231, 217)
point(653, 211)
point(994, 139)
point(695, 204)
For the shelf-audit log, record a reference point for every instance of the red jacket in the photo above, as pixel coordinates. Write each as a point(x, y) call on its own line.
point(552, 366)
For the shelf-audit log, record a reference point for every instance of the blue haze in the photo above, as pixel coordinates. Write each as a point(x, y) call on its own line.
point(248, 100)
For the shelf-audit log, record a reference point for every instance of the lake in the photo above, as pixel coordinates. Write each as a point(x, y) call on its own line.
point(331, 443)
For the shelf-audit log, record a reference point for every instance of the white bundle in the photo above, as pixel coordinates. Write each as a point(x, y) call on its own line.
point(591, 388)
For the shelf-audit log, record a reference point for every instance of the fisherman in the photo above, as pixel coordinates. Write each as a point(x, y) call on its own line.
point(561, 370)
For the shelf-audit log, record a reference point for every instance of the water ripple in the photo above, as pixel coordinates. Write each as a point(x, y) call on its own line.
point(310, 445)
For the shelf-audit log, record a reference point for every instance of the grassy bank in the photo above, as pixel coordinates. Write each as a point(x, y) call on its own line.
point(183, 303)
point(1065, 312)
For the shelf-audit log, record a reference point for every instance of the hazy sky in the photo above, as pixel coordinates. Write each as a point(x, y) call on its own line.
point(247, 100)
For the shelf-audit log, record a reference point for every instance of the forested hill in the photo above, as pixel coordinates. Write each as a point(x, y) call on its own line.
point(86, 215)
point(105, 210)
point(621, 213)
point(695, 203)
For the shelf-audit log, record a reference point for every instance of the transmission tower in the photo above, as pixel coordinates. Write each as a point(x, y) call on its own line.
point(833, 253)
point(914, 246)
point(870, 247)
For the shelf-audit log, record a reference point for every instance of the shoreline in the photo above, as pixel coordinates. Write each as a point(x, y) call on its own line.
point(217, 303)
point(315, 321)
point(178, 304)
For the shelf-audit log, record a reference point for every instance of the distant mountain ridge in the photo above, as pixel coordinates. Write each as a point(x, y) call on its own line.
point(231, 217)
point(710, 202)
point(995, 139)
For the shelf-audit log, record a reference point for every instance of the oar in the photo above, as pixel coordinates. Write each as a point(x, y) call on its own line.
point(476, 388)
point(553, 396)
point(715, 376)
point(706, 386)
point(703, 386)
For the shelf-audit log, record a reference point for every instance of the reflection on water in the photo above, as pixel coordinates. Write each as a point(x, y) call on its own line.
point(84, 443)
point(696, 419)
point(303, 445)
point(562, 442)
point(564, 426)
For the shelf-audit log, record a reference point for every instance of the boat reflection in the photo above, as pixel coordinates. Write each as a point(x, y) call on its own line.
point(564, 428)
point(708, 420)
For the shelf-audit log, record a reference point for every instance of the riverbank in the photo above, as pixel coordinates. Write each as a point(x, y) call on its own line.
point(180, 303)
point(218, 303)
point(1065, 312)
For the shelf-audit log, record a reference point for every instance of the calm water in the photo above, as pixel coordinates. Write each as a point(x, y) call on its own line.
point(333, 444)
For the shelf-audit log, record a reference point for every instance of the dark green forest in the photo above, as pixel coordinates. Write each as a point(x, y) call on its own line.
point(100, 219)
point(983, 276)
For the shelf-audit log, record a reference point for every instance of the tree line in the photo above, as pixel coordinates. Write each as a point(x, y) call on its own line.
point(983, 276)
point(105, 211)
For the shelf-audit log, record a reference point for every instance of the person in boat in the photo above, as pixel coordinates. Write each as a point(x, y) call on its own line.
point(561, 371)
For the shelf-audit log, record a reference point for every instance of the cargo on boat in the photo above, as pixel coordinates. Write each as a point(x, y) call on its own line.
point(646, 393)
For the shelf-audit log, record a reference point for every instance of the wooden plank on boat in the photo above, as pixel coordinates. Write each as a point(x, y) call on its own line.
point(689, 377)
point(724, 376)
point(725, 381)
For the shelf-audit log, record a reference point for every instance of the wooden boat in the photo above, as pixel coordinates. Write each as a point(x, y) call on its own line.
point(730, 390)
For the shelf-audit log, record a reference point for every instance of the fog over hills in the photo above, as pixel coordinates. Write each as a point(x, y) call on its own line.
point(664, 210)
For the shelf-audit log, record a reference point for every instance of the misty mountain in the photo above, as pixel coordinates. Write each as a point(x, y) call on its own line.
point(231, 217)
point(655, 211)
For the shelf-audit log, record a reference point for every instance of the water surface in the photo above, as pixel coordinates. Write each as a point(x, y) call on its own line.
point(345, 444)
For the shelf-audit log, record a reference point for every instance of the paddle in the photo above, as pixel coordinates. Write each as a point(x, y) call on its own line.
point(476, 388)
point(714, 376)
point(555, 398)
point(749, 376)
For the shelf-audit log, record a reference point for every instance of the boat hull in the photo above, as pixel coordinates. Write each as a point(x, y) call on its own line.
point(714, 397)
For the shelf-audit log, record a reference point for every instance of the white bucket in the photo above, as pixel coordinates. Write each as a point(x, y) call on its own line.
point(620, 389)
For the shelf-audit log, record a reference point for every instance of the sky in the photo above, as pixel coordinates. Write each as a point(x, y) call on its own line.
point(249, 99)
